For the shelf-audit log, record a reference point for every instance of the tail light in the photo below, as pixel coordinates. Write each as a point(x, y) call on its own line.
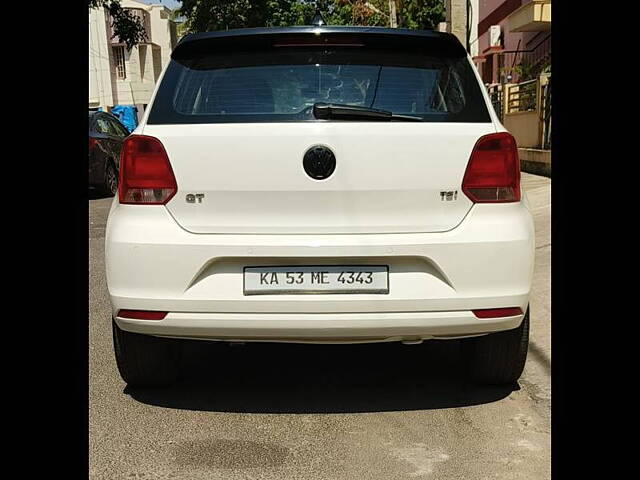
point(92, 143)
point(146, 176)
point(493, 172)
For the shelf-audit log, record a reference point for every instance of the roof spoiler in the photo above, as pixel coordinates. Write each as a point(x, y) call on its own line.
point(266, 38)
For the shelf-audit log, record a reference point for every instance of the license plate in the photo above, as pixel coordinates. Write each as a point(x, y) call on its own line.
point(316, 279)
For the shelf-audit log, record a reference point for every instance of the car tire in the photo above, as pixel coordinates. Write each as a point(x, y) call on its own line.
point(110, 186)
point(145, 360)
point(498, 358)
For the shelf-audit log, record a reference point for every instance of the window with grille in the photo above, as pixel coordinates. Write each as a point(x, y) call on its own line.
point(118, 59)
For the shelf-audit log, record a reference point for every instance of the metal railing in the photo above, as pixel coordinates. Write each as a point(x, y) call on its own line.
point(532, 60)
point(522, 97)
point(496, 95)
point(532, 97)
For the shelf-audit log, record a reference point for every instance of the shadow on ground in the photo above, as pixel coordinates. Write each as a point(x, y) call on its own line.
point(289, 378)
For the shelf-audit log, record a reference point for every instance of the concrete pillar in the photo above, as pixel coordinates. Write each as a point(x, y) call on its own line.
point(474, 19)
point(393, 16)
point(456, 17)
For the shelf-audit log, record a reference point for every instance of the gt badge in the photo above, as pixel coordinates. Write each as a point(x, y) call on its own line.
point(192, 198)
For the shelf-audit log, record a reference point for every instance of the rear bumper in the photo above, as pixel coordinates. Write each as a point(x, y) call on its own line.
point(435, 279)
point(320, 328)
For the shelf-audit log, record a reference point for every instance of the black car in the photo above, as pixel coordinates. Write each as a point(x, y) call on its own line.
point(106, 135)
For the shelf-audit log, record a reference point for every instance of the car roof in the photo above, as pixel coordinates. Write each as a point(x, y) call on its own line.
point(93, 113)
point(256, 34)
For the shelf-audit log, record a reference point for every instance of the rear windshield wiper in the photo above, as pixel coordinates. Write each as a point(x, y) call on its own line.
point(324, 111)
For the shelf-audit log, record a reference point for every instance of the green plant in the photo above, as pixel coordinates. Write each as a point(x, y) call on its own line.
point(207, 15)
point(126, 26)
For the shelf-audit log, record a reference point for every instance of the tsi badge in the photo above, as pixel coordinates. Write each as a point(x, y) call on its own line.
point(195, 197)
point(449, 195)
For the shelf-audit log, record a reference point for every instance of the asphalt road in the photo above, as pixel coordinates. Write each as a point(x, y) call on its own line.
point(384, 411)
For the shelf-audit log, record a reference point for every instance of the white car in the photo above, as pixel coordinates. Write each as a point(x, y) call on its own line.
point(320, 185)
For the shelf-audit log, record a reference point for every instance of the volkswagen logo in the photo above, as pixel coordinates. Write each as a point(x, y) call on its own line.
point(319, 162)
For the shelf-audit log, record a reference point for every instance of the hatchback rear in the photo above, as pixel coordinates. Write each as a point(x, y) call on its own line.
point(324, 185)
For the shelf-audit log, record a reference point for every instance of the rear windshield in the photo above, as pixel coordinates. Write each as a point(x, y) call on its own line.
point(283, 84)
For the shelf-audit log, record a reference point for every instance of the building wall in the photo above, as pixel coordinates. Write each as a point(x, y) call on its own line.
point(100, 86)
point(143, 62)
point(161, 28)
point(138, 86)
point(495, 12)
